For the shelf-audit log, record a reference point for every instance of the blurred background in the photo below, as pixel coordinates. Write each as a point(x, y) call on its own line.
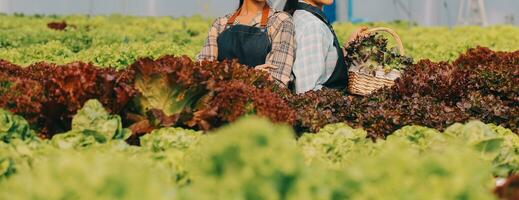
point(423, 12)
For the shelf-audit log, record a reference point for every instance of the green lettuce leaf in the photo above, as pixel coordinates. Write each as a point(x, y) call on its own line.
point(156, 93)
point(90, 174)
point(92, 124)
point(6, 167)
point(334, 144)
point(166, 85)
point(250, 159)
point(496, 144)
point(170, 138)
point(94, 118)
point(14, 127)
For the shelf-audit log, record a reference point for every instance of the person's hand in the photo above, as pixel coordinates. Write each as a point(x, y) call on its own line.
point(266, 68)
point(359, 33)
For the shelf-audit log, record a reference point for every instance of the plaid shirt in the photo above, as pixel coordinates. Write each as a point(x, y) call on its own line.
point(280, 28)
point(316, 56)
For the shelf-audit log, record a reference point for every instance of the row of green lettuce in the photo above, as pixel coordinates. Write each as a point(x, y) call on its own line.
point(251, 159)
point(117, 41)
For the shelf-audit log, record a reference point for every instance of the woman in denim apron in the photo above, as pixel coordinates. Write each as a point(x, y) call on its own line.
point(255, 35)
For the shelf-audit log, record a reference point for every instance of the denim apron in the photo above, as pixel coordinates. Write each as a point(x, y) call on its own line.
point(250, 45)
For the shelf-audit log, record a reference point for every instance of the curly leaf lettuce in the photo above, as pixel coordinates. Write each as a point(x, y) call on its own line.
point(334, 144)
point(239, 158)
point(170, 138)
point(496, 144)
point(90, 174)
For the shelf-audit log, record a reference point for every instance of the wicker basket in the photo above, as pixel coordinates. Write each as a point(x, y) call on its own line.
point(364, 82)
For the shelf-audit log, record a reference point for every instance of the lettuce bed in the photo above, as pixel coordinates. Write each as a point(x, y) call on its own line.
point(254, 158)
point(118, 41)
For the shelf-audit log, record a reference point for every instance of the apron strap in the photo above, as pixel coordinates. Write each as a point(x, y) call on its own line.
point(231, 19)
point(316, 12)
point(320, 14)
point(264, 17)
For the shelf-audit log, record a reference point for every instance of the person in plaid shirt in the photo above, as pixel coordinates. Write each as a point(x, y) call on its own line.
point(255, 35)
point(319, 59)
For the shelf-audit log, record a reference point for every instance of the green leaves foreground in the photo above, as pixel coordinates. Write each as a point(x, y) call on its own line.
point(255, 159)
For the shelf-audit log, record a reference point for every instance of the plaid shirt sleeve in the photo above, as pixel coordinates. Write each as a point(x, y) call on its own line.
point(282, 55)
point(310, 66)
point(210, 49)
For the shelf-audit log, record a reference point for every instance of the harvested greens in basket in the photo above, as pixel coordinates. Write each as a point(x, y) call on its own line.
point(371, 53)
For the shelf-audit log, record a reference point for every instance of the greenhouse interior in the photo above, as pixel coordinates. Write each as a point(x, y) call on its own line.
point(259, 99)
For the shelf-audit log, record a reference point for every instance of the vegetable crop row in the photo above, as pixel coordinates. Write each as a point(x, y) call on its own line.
point(175, 91)
point(92, 160)
point(118, 41)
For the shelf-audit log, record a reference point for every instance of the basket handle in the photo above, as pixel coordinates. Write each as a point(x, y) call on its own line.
point(393, 33)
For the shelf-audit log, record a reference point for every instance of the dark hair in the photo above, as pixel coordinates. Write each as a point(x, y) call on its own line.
point(290, 6)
